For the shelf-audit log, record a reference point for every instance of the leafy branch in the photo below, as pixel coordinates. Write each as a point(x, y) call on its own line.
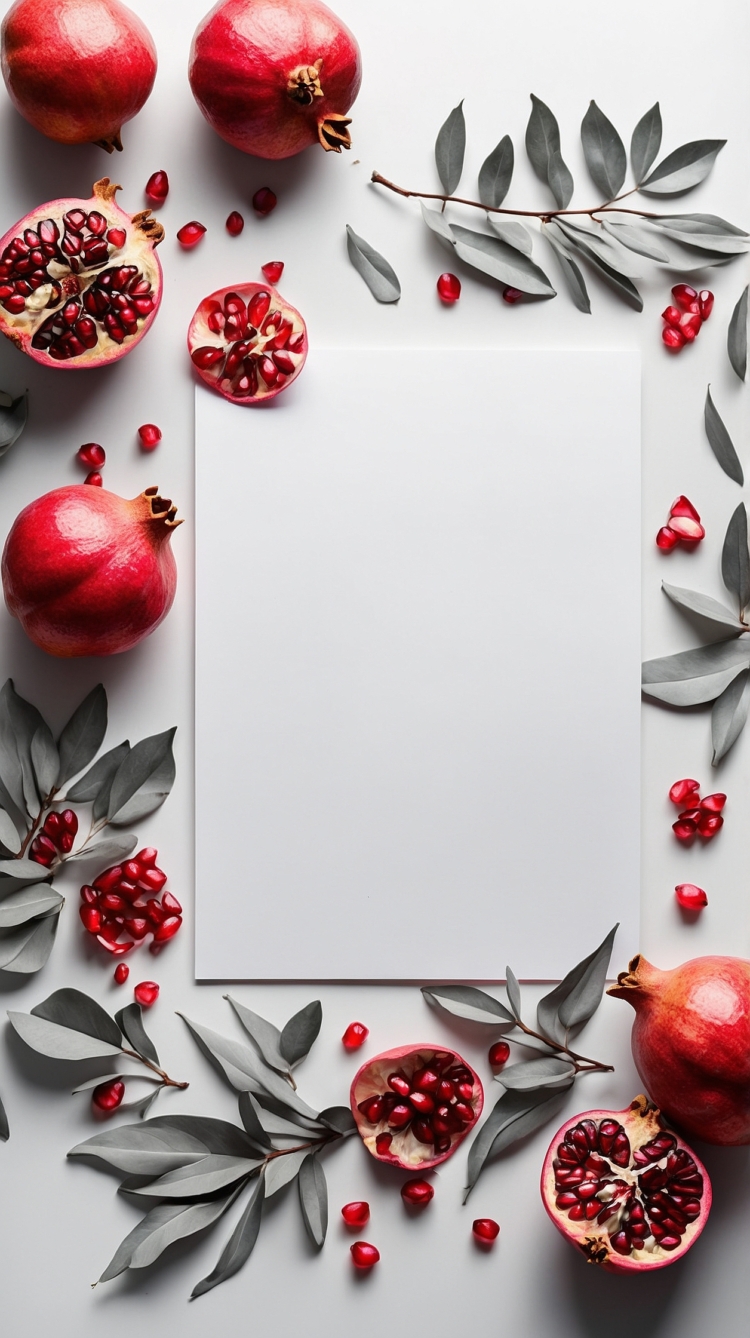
point(535, 1089)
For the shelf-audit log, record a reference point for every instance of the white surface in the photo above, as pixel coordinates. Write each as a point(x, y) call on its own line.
point(61, 1222)
point(404, 661)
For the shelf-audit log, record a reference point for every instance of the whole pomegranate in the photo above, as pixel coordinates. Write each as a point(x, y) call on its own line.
point(691, 1042)
point(77, 69)
point(247, 342)
point(625, 1190)
point(89, 573)
point(80, 283)
point(414, 1105)
point(273, 76)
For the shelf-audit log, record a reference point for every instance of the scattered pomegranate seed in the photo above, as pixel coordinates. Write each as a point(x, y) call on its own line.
point(684, 829)
point(687, 529)
point(150, 436)
point(683, 321)
point(684, 791)
point(709, 824)
point(264, 201)
point(690, 897)
point(121, 973)
point(683, 526)
point(498, 1054)
point(485, 1230)
point(512, 295)
point(682, 506)
point(91, 455)
point(94, 479)
point(157, 187)
point(673, 337)
point(356, 1214)
point(449, 288)
point(713, 803)
point(706, 303)
point(191, 234)
point(108, 1095)
point(666, 539)
point(235, 223)
point(685, 296)
point(146, 993)
point(273, 270)
point(417, 1193)
point(364, 1255)
point(355, 1035)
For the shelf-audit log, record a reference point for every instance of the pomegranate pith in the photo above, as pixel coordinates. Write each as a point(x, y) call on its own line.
point(624, 1189)
point(247, 342)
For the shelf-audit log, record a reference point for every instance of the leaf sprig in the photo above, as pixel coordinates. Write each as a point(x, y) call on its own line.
point(535, 1089)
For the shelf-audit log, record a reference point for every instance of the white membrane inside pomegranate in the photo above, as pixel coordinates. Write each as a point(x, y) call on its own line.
point(79, 279)
point(247, 343)
point(636, 1192)
point(414, 1107)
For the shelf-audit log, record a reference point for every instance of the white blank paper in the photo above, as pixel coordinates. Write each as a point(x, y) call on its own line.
point(417, 667)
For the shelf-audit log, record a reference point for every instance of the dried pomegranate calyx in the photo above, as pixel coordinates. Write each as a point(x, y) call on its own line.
point(303, 84)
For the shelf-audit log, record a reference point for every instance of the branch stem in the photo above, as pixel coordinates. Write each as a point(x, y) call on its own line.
point(582, 1063)
point(166, 1080)
point(545, 215)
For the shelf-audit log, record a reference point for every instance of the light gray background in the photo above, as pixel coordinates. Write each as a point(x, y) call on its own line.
point(60, 1222)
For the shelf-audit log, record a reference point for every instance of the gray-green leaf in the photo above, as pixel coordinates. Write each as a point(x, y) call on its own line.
point(212, 1173)
point(245, 1070)
point(574, 280)
point(645, 143)
point(83, 735)
point(301, 1032)
point(44, 759)
point(313, 1198)
point(468, 1002)
point(9, 837)
point(709, 610)
point(503, 262)
point(620, 282)
point(26, 950)
point(27, 903)
point(720, 442)
point(99, 778)
point(450, 147)
point(240, 1245)
point(604, 152)
point(13, 416)
point(339, 1118)
point(515, 234)
point(130, 1022)
point(729, 715)
point(110, 850)
point(577, 997)
point(49, 1038)
point(530, 1074)
point(214, 1135)
point(264, 1034)
point(143, 779)
point(152, 1148)
point(437, 223)
point(542, 138)
point(695, 676)
point(635, 239)
point(735, 557)
point(560, 180)
point(164, 1224)
point(74, 1009)
point(513, 990)
point(4, 1126)
point(496, 173)
point(250, 1116)
point(380, 277)
point(515, 1115)
point(737, 336)
point(282, 1170)
point(684, 168)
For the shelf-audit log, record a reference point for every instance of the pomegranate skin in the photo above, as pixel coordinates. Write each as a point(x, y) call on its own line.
point(691, 1042)
point(89, 573)
point(274, 76)
point(77, 69)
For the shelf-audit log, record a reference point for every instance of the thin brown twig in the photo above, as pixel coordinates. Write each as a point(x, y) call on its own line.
point(166, 1080)
point(545, 215)
point(591, 1065)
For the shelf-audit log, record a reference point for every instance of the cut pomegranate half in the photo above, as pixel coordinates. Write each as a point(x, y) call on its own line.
point(414, 1105)
point(625, 1190)
point(80, 283)
point(247, 342)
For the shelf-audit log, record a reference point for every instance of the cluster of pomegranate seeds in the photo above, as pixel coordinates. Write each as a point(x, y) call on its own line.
point(122, 971)
point(434, 1104)
point(645, 1197)
point(150, 436)
point(146, 993)
point(684, 526)
point(91, 455)
point(108, 1095)
point(157, 187)
point(264, 201)
point(699, 817)
point(448, 288)
point(683, 320)
point(235, 223)
point(272, 270)
point(498, 1054)
point(356, 1214)
point(689, 897)
point(128, 898)
point(485, 1230)
point(417, 1193)
point(260, 349)
point(355, 1035)
point(55, 839)
point(192, 233)
point(512, 295)
point(364, 1255)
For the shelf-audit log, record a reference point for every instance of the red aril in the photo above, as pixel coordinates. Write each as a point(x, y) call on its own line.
point(264, 201)
point(709, 824)
point(91, 918)
point(685, 297)
point(687, 529)
point(122, 971)
point(94, 479)
point(273, 270)
point(689, 897)
point(671, 315)
point(706, 303)
point(190, 234)
point(77, 71)
point(150, 436)
point(666, 539)
point(356, 1214)
point(685, 828)
point(146, 993)
point(167, 929)
point(91, 456)
point(81, 280)
point(682, 506)
point(684, 791)
point(417, 1193)
point(673, 338)
point(511, 296)
point(713, 803)
point(690, 324)
point(628, 1193)
point(273, 76)
point(449, 288)
point(89, 573)
point(157, 187)
point(247, 342)
point(364, 1255)
point(355, 1035)
point(235, 223)
point(108, 1095)
point(498, 1054)
point(485, 1230)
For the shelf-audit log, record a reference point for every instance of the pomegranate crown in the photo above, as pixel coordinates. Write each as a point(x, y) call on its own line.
point(634, 983)
point(106, 190)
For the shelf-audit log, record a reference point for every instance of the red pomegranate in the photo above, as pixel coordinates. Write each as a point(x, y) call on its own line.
point(80, 283)
point(414, 1105)
point(625, 1190)
point(89, 573)
point(273, 76)
point(691, 1042)
point(77, 69)
point(247, 342)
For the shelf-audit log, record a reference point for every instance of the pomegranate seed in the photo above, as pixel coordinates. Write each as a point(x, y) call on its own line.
point(116, 949)
point(167, 929)
point(690, 897)
point(355, 1035)
point(152, 880)
point(150, 436)
point(356, 1214)
point(397, 1083)
point(485, 1230)
point(189, 235)
point(171, 904)
point(499, 1054)
point(512, 295)
point(683, 295)
point(122, 971)
point(364, 1255)
point(422, 1102)
point(687, 529)
point(383, 1143)
point(684, 829)
point(682, 506)
point(91, 455)
point(117, 237)
point(673, 338)
point(449, 288)
point(91, 918)
point(713, 803)
point(706, 303)
point(417, 1193)
point(709, 824)
point(684, 791)
point(147, 857)
point(264, 201)
point(94, 479)
point(690, 326)
point(273, 270)
point(157, 187)
point(108, 1095)
point(108, 880)
point(146, 993)
point(671, 315)
point(235, 223)
point(88, 896)
point(666, 539)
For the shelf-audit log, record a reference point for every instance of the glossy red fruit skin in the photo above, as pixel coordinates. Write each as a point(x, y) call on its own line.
point(77, 72)
point(683, 791)
point(89, 573)
point(485, 1229)
point(691, 1042)
point(356, 1214)
point(364, 1255)
point(706, 303)
point(512, 295)
point(252, 74)
point(355, 1035)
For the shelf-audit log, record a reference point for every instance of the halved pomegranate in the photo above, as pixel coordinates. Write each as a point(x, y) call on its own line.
point(80, 283)
point(629, 1193)
point(414, 1105)
point(247, 342)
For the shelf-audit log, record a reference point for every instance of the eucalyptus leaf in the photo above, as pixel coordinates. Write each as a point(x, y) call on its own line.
point(531, 1074)
point(264, 1034)
point(574, 280)
point(683, 169)
point(99, 777)
point(604, 152)
point(735, 557)
point(152, 1148)
point(380, 277)
point(110, 850)
point(72, 1008)
point(720, 441)
point(468, 1002)
point(560, 180)
point(635, 239)
point(695, 676)
point(437, 222)
point(542, 138)
point(11, 771)
point(704, 231)
point(9, 837)
point(710, 610)
point(4, 1126)
point(58, 1042)
point(26, 950)
point(645, 143)
point(212, 1173)
point(282, 1171)
point(515, 1115)
point(25, 720)
point(496, 174)
point(620, 282)
point(130, 1022)
point(143, 779)
point(144, 1104)
point(450, 147)
point(503, 262)
point(729, 715)
point(245, 1070)
point(251, 1118)
point(215, 1135)
point(28, 902)
point(107, 1077)
point(83, 735)
point(45, 760)
point(313, 1199)
point(164, 1224)
point(514, 234)
point(604, 246)
point(301, 1032)
point(13, 417)
point(577, 997)
point(23, 870)
point(737, 336)
point(240, 1245)
point(513, 991)
point(339, 1118)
